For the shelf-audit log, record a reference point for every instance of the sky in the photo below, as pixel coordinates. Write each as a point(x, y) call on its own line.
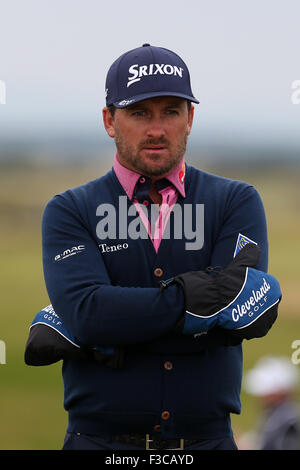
point(243, 58)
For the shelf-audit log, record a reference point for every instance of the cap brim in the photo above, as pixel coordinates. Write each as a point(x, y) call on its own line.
point(136, 99)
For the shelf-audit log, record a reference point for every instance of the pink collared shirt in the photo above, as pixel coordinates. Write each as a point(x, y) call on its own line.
point(128, 180)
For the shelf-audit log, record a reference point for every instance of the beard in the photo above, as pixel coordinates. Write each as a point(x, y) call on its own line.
point(152, 167)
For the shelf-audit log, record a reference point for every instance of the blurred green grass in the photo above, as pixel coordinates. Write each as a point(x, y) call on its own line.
point(31, 404)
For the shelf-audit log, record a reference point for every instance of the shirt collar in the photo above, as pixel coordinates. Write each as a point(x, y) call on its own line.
point(129, 178)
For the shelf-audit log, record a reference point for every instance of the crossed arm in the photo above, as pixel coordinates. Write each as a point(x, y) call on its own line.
point(99, 314)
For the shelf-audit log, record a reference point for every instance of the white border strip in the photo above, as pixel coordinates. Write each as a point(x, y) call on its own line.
point(50, 326)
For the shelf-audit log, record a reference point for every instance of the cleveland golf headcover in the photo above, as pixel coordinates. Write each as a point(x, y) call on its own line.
point(49, 342)
point(240, 298)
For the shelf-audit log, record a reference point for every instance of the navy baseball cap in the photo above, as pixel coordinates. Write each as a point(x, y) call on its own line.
point(147, 72)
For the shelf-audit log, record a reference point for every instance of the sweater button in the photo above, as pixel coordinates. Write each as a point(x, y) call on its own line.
point(165, 415)
point(157, 428)
point(158, 272)
point(168, 365)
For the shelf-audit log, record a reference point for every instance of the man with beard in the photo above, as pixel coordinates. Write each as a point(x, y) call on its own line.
point(155, 320)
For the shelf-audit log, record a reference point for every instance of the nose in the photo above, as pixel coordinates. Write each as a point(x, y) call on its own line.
point(156, 129)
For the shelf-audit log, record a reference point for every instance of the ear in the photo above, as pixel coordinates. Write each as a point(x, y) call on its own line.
point(108, 121)
point(190, 119)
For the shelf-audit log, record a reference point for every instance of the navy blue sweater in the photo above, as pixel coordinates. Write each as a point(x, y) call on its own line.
point(106, 292)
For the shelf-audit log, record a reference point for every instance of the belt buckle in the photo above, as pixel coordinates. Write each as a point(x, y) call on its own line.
point(148, 440)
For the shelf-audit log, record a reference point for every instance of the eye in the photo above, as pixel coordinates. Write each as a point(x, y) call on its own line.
point(172, 111)
point(138, 113)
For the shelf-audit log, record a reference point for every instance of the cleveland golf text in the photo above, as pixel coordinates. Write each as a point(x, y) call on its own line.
point(253, 301)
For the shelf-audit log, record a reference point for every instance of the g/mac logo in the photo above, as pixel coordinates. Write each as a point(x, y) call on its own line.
point(69, 252)
point(2, 92)
point(137, 72)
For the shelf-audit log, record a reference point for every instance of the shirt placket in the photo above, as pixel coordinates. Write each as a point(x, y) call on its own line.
point(169, 198)
point(143, 205)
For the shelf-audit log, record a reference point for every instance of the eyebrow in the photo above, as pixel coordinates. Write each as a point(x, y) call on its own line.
point(134, 106)
point(174, 104)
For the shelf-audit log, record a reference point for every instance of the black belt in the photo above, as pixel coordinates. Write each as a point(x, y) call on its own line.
point(149, 442)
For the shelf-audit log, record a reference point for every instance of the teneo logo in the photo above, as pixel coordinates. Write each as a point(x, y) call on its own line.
point(2, 352)
point(69, 252)
point(137, 72)
point(114, 223)
point(253, 304)
point(2, 92)
point(295, 98)
point(110, 249)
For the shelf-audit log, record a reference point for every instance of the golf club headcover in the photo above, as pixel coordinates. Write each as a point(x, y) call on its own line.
point(240, 298)
point(49, 342)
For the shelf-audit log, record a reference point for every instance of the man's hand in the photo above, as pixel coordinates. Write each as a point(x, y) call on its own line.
point(240, 298)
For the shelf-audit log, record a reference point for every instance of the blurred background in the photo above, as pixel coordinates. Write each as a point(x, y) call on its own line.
point(54, 55)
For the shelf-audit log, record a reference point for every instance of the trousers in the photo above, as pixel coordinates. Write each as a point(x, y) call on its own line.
point(78, 441)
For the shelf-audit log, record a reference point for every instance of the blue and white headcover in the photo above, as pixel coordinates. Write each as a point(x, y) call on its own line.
point(50, 341)
point(239, 298)
point(48, 317)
